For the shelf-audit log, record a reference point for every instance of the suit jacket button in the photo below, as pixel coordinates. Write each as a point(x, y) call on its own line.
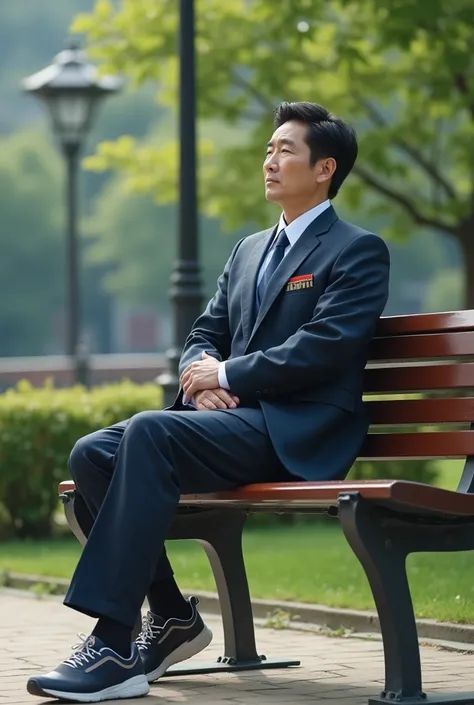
point(258, 394)
point(273, 390)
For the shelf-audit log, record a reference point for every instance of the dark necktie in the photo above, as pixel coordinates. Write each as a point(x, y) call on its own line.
point(281, 244)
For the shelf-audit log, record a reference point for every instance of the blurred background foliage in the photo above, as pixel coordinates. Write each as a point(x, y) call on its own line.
point(38, 428)
point(402, 75)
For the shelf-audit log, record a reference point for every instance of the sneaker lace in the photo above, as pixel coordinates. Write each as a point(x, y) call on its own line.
point(149, 631)
point(82, 652)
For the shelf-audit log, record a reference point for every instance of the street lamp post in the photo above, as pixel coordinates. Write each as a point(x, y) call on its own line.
point(71, 90)
point(186, 286)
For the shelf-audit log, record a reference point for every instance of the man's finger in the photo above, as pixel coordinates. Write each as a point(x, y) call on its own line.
point(208, 404)
point(219, 400)
point(203, 407)
point(190, 389)
point(189, 369)
point(225, 397)
point(187, 385)
point(184, 377)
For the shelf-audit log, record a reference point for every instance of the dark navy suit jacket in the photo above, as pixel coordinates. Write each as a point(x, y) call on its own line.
point(301, 358)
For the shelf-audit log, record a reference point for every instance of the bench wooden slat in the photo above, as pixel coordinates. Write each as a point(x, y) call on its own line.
point(429, 346)
point(426, 323)
point(422, 411)
point(397, 493)
point(412, 494)
point(283, 494)
point(373, 488)
point(393, 380)
point(66, 486)
point(445, 444)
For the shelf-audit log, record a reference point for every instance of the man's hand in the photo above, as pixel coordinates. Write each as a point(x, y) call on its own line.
point(211, 399)
point(202, 374)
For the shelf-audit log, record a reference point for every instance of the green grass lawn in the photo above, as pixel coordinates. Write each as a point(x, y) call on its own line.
point(449, 473)
point(307, 562)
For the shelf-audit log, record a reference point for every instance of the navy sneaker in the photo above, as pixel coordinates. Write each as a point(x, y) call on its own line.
point(93, 673)
point(163, 643)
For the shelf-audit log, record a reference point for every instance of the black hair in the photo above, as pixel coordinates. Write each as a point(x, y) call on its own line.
point(327, 136)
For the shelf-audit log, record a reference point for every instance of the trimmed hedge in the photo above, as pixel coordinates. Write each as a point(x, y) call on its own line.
point(416, 470)
point(38, 428)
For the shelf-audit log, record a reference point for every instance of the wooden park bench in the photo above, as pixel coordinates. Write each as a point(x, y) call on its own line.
point(383, 520)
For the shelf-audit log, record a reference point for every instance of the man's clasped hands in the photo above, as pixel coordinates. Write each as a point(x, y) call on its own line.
point(200, 382)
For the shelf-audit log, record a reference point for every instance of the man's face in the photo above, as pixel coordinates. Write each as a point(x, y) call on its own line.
point(287, 171)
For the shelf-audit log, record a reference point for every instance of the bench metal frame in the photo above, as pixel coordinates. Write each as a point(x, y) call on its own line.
point(380, 537)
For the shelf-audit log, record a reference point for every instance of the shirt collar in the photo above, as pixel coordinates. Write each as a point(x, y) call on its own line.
point(296, 228)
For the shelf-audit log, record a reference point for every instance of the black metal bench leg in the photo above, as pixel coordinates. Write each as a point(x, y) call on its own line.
point(382, 550)
point(220, 534)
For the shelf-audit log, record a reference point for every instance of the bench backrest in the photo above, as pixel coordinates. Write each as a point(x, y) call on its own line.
point(429, 356)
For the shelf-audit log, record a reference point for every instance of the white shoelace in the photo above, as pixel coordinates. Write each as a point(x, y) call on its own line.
point(82, 652)
point(149, 631)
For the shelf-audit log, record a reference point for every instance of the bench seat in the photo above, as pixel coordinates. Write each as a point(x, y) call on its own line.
point(399, 495)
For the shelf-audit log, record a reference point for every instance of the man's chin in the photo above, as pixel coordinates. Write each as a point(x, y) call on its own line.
point(271, 195)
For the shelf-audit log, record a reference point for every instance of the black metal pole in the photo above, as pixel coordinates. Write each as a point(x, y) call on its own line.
point(71, 153)
point(78, 356)
point(186, 287)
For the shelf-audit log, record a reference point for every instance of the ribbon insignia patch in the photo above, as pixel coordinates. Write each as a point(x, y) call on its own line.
point(304, 281)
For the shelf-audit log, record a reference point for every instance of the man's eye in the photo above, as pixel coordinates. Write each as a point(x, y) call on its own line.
point(285, 150)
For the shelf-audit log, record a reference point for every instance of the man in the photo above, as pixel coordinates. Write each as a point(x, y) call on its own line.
point(271, 389)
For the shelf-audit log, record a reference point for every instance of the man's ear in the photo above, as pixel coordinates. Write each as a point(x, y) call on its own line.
point(325, 169)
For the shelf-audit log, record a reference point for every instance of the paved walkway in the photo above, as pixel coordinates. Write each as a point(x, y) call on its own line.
point(36, 634)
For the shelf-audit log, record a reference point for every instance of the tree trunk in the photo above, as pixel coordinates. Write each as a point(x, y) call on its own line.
point(467, 248)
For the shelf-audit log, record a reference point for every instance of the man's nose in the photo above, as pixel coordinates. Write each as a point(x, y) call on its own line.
point(271, 165)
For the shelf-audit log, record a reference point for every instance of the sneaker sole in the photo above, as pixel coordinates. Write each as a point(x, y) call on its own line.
point(132, 688)
point(182, 653)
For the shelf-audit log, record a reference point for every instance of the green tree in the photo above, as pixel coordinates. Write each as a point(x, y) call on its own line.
point(445, 291)
point(402, 72)
point(136, 240)
point(32, 247)
point(31, 261)
point(30, 33)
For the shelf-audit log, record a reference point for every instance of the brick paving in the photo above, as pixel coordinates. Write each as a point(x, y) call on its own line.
point(36, 634)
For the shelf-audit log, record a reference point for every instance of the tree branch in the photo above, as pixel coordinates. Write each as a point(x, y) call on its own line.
point(402, 200)
point(415, 154)
point(461, 84)
point(246, 86)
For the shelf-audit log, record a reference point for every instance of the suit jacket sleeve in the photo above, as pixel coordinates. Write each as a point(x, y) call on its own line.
point(342, 326)
point(211, 333)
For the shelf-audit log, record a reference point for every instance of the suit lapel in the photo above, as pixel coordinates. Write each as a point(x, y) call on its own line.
point(249, 280)
point(306, 244)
